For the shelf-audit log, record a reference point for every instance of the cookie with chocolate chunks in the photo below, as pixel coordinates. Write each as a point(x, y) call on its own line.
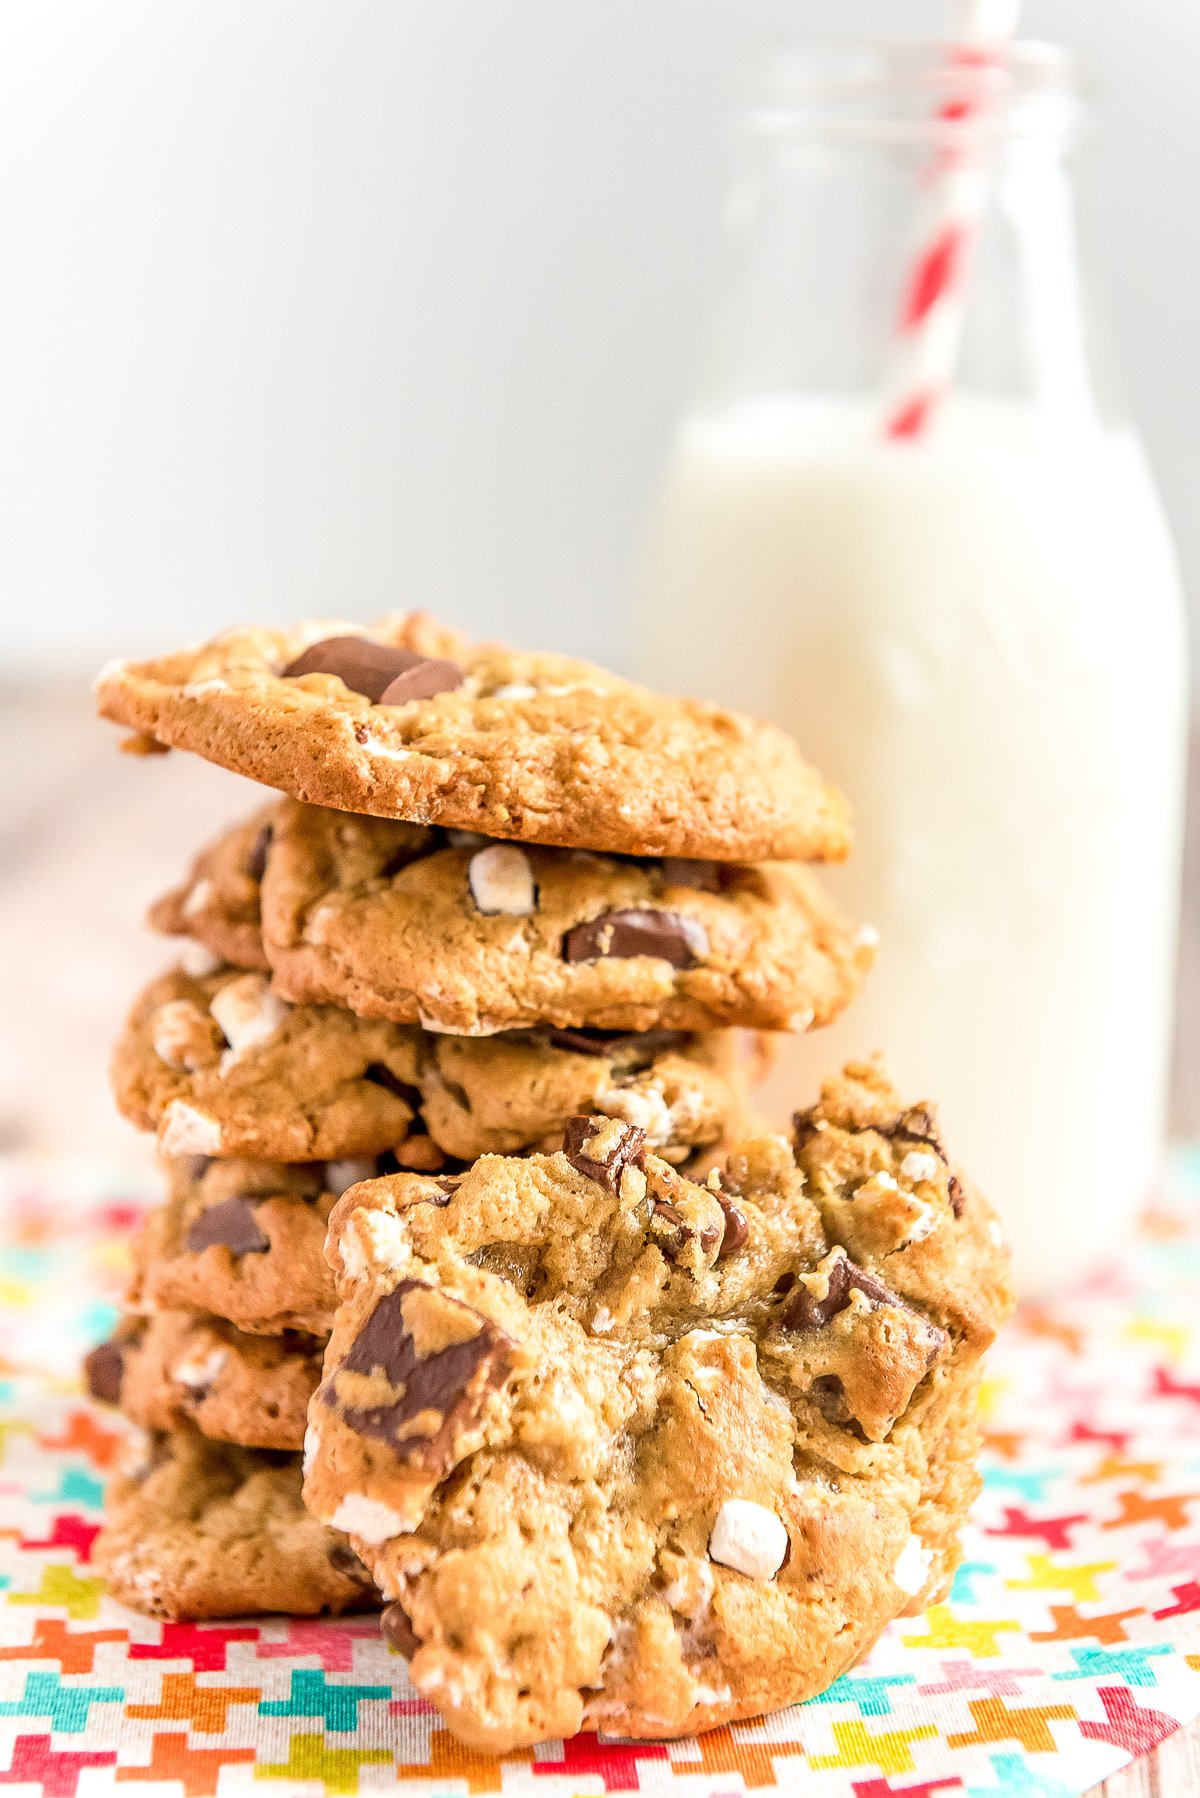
point(405, 719)
point(474, 936)
point(178, 1368)
point(694, 1447)
point(200, 1529)
point(221, 1066)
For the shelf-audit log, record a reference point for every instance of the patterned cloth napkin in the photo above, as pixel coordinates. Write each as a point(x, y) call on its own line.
point(1070, 1643)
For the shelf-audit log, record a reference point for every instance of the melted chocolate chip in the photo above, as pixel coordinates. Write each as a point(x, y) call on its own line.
point(648, 1043)
point(256, 861)
point(628, 1149)
point(399, 1631)
point(829, 1396)
point(681, 871)
point(737, 1230)
point(957, 1195)
point(103, 1369)
point(422, 679)
point(379, 1074)
point(370, 668)
point(804, 1128)
point(231, 1224)
point(804, 1312)
point(441, 1393)
point(679, 1232)
point(618, 935)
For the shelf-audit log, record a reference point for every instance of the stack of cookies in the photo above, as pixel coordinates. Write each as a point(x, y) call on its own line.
point(629, 1410)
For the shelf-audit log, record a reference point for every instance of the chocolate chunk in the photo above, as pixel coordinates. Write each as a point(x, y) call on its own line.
point(343, 1559)
point(256, 861)
point(618, 935)
point(379, 1074)
point(103, 1369)
point(399, 1631)
point(957, 1195)
point(231, 1224)
point(804, 1312)
point(442, 1391)
point(681, 871)
point(737, 1230)
point(426, 676)
point(373, 669)
point(647, 1043)
point(679, 1232)
point(627, 1149)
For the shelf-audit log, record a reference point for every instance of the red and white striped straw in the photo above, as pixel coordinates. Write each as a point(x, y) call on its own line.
point(929, 326)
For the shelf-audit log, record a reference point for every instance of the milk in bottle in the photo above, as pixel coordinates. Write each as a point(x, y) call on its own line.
point(978, 633)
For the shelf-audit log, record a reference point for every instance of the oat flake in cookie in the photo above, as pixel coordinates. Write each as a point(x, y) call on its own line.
point(409, 721)
point(627, 1451)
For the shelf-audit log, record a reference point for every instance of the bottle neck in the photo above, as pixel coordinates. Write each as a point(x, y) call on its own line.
point(836, 194)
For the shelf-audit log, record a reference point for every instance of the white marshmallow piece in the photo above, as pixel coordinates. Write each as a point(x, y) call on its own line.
point(918, 1165)
point(197, 960)
point(187, 1131)
point(748, 1538)
point(367, 1518)
point(198, 898)
point(248, 1012)
point(911, 1571)
point(201, 1371)
point(501, 881)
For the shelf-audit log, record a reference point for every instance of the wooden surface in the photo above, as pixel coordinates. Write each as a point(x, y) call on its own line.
point(88, 837)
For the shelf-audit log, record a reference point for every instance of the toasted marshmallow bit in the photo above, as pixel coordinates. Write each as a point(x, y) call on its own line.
point(917, 1165)
point(181, 1035)
point(501, 881)
point(200, 1371)
point(340, 1176)
point(514, 689)
point(187, 1131)
point(248, 1012)
point(748, 1538)
point(367, 1518)
point(911, 1571)
point(312, 1448)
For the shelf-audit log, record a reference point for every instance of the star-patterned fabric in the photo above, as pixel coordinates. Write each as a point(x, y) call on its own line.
point(1070, 1643)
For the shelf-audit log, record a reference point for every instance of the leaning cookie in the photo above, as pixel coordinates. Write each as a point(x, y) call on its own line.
point(478, 937)
point(179, 1368)
point(406, 721)
point(200, 1529)
point(694, 1447)
point(220, 1065)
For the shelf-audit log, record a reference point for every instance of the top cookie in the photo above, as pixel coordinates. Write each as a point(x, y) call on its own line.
point(408, 722)
point(630, 1451)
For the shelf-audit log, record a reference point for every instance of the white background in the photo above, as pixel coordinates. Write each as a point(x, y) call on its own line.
point(334, 305)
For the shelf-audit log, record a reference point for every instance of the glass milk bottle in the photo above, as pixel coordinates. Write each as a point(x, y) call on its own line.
point(971, 619)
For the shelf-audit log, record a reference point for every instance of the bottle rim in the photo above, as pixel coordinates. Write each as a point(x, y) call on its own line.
point(929, 93)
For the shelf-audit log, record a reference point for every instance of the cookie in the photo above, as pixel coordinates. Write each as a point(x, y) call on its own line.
point(635, 1453)
point(217, 906)
point(244, 1241)
point(220, 1065)
point(474, 937)
point(178, 1368)
point(407, 721)
point(201, 1529)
